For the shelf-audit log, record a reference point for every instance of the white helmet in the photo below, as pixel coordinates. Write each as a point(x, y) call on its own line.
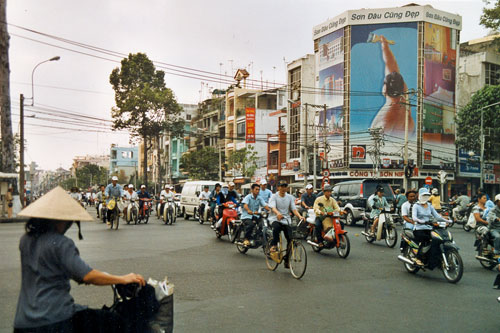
point(167, 186)
point(130, 185)
point(435, 191)
point(497, 197)
point(114, 178)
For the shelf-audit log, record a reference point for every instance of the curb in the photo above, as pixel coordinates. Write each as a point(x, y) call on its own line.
point(13, 220)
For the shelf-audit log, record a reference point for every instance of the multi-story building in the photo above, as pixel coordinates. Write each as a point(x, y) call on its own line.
point(81, 161)
point(249, 119)
point(124, 161)
point(479, 65)
point(382, 69)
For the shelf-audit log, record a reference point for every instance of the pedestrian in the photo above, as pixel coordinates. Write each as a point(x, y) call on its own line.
point(9, 198)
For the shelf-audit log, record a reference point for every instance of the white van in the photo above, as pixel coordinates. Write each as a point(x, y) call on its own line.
point(190, 193)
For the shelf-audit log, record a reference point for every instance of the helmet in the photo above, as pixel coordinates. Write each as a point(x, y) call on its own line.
point(130, 185)
point(167, 186)
point(231, 184)
point(143, 186)
point(309, 186)
point(435, 191)
point(497, 197)
point(263, 182)
point(114, 178)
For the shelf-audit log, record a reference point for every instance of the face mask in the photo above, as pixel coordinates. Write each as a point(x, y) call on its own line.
point(423, 199)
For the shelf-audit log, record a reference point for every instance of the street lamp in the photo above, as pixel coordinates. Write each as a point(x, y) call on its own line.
point(21, 129)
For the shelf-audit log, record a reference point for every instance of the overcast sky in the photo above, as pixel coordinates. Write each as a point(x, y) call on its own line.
point(198, 34)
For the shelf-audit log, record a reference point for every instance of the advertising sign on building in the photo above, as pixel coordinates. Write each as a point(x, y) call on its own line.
point(358, 153)
point(427, 156)
point(250, 125)
point(468, 166)
point(383, 68)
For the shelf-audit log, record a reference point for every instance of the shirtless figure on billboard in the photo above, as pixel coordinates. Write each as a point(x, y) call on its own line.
point(391, 117)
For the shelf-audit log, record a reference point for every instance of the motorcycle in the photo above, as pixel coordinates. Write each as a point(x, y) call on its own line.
point(257, 237)
point(225, 224)
point(177, 201)
point(102, 211)
point(206, 212)
point(386, 229)
point(463, 217)
point(446, 255)
point(114, 219)
point(334, 236)
point(132, 212)
point(145, 211)
point(484, 248)
point(169, 212)
point(159, 204)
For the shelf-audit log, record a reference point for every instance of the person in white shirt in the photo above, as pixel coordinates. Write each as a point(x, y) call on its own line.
point(204, 200)
point(165, 195)
point(130, 194)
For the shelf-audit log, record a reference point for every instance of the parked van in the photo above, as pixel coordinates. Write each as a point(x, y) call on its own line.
point(189, 196)
point(353, 196)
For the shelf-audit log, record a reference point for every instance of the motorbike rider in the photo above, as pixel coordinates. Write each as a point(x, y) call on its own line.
point(49, 260)
point(100, 197)
point(265, 193)
point(327, 203)
point(462, 202)
point(407, 209)
point(435, 199)
point(113, 190)
point(75, 194)
point(401, 198)
point(282, 205)
point(378, 203)
point(142, 194)
point(204, 200)
point(232, 194)
point(479, 208)
point(494, 226)
point(225, 195)
point(213, 200)
point(251, 204)
point(307, 200)
point(130, 194)
point(422, 213)
point(166, 194)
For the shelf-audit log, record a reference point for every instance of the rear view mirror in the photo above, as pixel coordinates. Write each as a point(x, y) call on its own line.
point(197, 193)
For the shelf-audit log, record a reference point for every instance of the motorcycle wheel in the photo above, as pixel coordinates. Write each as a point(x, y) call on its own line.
point(298, 260)
point(200, 219)
point(104, 217)
point(486, 264)
point(315, 240)
point(174, 216)
point(270, 263)
point(391, 237)
point(146, 216)
point(466, 227)
point(134, 216)
point(231, 232)
point(126, 217)
point(344, 246)
point(170, 217)
point(242, 249)
point(369, 239)
point(454, 274)
point(413, 269)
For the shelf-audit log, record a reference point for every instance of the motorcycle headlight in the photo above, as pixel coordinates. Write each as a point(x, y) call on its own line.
point(450, 236)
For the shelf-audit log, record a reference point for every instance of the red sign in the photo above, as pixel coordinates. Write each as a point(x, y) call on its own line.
point(250, 125)
point(428, 181)
point(358, 153)
point(427, 156)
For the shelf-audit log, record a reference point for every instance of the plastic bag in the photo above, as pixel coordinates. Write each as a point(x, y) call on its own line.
point(163, 321)
point(471, 222)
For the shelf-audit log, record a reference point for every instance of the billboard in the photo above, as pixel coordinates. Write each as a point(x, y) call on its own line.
point(250, 125)
point(383, 70)
point(440, 55)
point(330, 69)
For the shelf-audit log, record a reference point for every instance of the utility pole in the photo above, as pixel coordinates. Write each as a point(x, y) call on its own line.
point(378, 138)
point(306, 152)
point(220, 161)
point(407, 120)
point(325, 133)
point(482, 150)
point(21, 149)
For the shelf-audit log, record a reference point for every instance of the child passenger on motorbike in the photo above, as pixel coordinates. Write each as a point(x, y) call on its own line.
point(494, 226)
point(49, 260)
point(251, 205)
point(322, 205)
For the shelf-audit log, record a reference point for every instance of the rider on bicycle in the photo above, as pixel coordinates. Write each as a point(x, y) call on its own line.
point(142, 194)
point(282, 205)
point(113, 190)
point(251, 205)
point(204, 200)
point(322, 205)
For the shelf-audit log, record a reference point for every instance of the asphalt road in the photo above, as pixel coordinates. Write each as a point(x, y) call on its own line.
point(219, 289)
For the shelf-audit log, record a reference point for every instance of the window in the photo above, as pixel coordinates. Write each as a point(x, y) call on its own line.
point(240, 129)
point(354, 190)
point(188, 117)
point(294, 132)
point(344, 190)
point(492, 74)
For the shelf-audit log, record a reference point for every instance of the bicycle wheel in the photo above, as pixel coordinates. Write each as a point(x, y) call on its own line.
point(270, 263)
point(344, 246)
point(297, 259)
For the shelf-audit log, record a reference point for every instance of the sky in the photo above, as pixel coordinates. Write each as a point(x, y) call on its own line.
point(261, 36)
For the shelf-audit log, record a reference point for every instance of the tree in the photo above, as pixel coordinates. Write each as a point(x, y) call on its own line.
point(7, 149)
point(201, 164)
point(491, 16)
point(244, 160)
point(144, 105)
point(469, 122)
point(90, 175)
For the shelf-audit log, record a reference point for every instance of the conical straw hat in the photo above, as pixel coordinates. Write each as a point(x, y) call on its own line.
point(56, 205)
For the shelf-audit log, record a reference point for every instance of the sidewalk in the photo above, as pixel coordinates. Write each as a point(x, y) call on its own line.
point(13, 219)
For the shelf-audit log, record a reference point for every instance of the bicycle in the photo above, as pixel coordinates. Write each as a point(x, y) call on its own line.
point(296, 252)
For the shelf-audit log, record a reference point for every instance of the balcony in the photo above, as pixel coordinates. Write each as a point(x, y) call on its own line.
point(240, 113)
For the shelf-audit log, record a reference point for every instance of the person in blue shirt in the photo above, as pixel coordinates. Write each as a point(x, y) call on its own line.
point(265, 193)
point(251, 205)
point(142, 194)
point(113, 190)
point(214, 200)
point(423, 213)
point(378, 203)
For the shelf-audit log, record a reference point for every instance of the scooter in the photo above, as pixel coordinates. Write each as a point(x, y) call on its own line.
point(334, 236)
point(446, 256)
point(159, 204)
point(484, 248)
point(103, 211)
point(386, 229)
point(132, 212)
point(206, 212)
point(169, 212)
point(225, 224)
point(257, 237)
point(145, 211)
point(463, 217)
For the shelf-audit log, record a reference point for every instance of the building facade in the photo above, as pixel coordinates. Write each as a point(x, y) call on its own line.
point(124, 161)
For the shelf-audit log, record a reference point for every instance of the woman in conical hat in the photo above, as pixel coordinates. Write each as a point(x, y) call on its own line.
point(48, 261)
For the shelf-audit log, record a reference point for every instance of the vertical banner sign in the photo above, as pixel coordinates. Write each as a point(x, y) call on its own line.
point(250, 125)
